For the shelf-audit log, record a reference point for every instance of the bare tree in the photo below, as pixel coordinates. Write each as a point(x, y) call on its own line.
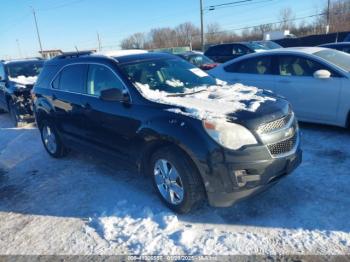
point(135, 41)
point(185, 33)
point(286, 17)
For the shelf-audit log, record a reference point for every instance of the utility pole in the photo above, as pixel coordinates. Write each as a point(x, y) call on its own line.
point(202, 24)
point(37, 30)
point(328, 16)
point(99, 42)
point(19, 49)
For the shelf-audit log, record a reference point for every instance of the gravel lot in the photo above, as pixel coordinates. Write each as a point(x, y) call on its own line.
point(85, 205)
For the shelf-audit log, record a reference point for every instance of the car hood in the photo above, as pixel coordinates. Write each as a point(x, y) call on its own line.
point(233, 103)
point(24, 80)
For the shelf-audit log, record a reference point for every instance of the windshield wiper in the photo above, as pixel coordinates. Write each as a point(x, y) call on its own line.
point(186, 94)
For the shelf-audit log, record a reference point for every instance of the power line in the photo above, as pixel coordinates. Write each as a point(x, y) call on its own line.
point(212, 7)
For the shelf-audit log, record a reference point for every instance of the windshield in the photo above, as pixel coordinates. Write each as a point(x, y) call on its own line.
point(26, 69)
point(256, 46)
point(269, 44)
point(199, 60)
point(335, 57)
point(168, 75)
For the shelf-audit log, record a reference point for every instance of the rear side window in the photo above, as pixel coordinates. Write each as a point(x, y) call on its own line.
point(240, 50)
point(72, 78)
point(257, 65)
point(220, 50)
point(102, 78)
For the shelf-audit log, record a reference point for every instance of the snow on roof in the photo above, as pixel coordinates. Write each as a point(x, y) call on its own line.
point(307, 50)
point(24, 80)
point(118, 53)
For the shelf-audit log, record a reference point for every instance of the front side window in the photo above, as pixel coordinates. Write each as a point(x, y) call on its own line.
point(168, 75)
point(298, 66)
point(240, 50)
point(200, 60)
point(24, 69)
point(72, 78)
point(101, 78)
point(335, 57)
point(258, 65)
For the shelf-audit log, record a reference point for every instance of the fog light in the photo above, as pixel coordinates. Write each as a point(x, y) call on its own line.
point(240, 177)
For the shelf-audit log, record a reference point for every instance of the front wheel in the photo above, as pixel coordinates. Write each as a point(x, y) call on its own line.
point(52, 141)
point(176, 180)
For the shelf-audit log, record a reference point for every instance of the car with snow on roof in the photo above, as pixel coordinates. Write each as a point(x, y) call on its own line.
point(197, 137)
point(17, 78)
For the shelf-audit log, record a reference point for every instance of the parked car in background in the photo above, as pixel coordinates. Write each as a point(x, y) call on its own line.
point(16, 82)
point(315, 80)
point(195, 138)
point(199, 60)
point(225, 52)
point(340, 46)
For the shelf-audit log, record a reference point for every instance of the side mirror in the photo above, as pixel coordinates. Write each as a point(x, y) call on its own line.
point(322, 74)
point(112, 95)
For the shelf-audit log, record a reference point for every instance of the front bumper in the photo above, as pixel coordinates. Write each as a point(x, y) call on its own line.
point(259, 177)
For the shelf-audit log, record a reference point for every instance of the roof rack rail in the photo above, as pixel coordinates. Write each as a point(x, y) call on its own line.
point(73, 54)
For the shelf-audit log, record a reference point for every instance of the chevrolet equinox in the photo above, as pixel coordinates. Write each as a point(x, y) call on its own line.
point(197, 137)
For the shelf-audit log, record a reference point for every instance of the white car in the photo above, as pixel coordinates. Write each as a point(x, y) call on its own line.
point(315, 80)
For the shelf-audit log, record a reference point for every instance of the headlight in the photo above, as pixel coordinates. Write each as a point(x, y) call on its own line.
point(229, 135)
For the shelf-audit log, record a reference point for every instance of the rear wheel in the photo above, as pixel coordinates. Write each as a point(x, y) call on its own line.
point(176, 180)
point(52, 141)
point(15, 116)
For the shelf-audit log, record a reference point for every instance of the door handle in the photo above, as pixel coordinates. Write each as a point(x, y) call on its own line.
point(87, 106)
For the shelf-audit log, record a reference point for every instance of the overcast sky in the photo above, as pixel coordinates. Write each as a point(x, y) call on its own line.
point(65, 24)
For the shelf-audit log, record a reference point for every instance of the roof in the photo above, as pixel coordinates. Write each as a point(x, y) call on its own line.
point(143, 57)
point(305, 50)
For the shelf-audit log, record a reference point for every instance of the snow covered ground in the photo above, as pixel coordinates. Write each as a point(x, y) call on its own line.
point(84, 205)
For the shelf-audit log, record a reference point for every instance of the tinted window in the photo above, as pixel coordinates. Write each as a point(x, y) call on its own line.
point(72, 78)
point(258, 65)
point(101, 78)
point(220, 50)
point(298, 66)
point(199, 60)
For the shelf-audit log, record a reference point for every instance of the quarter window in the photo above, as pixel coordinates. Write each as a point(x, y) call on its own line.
point(101, 78)
point(258, 65)
point(72, 78)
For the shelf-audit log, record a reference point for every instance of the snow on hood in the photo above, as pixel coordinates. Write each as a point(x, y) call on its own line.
point(24, 80)
point(214, 102)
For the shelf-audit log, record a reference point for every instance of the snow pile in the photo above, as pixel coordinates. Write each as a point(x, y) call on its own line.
point(24, 80)
point(214, 102)
point(156, 232)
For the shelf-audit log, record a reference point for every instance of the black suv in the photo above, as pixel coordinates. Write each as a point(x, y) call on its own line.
point(225, 52)
point(195, 137)
point(16, 82)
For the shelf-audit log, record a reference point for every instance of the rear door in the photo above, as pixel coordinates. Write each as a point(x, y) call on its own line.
point(68, 90)
point(257, 71)
point(312, 99)
point(2, 88)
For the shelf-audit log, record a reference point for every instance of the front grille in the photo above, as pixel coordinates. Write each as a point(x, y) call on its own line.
point(274, 125)
point(283, 147)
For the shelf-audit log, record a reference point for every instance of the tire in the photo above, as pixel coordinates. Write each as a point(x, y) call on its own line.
point(168, 186)
point(15, 116)
point(51, 140)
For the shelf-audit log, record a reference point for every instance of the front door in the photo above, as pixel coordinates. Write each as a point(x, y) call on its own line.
point(312, 99)
point(108, 124)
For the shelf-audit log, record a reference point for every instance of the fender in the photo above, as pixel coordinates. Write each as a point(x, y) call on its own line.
point(183, 132)
point(42, 109)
